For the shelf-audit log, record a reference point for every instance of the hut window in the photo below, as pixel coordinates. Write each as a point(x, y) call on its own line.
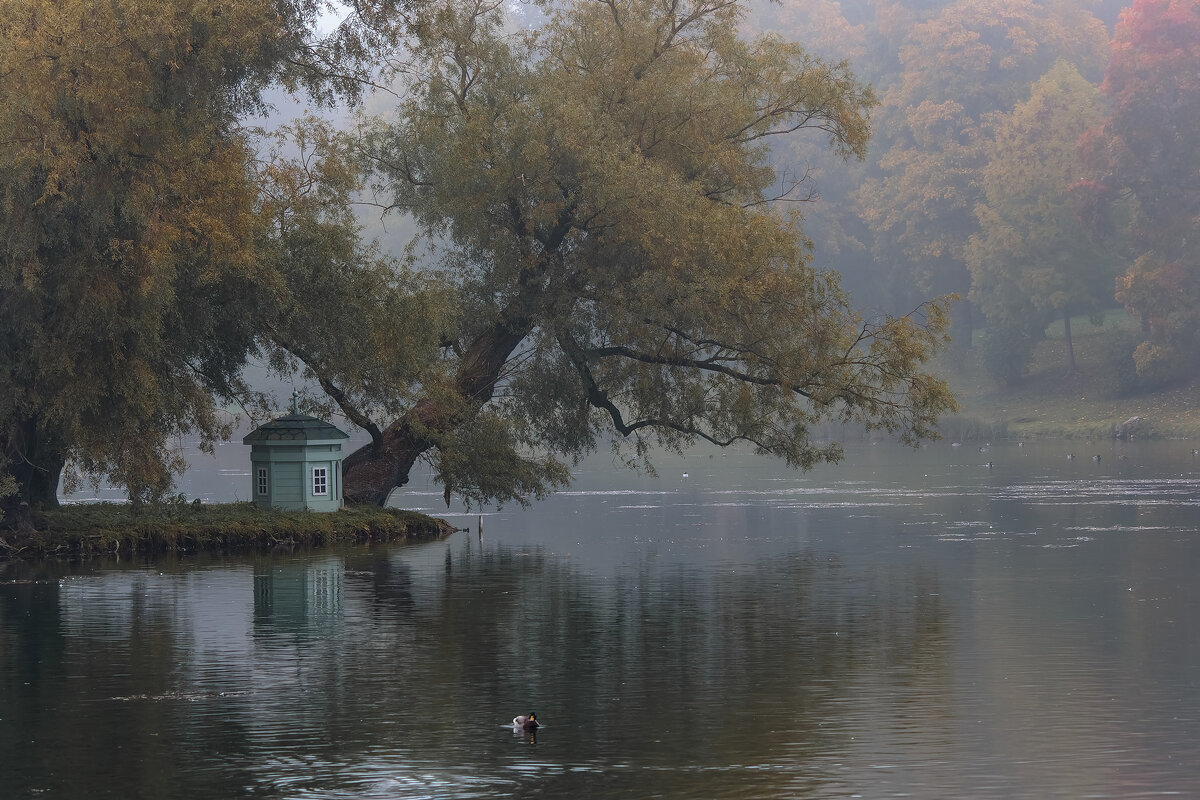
point(262, 480)
point(320, 480)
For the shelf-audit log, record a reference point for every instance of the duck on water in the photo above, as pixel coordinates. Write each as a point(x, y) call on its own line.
point(526, 722)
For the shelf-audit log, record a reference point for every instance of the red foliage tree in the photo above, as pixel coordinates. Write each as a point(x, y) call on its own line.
point(1149, 149)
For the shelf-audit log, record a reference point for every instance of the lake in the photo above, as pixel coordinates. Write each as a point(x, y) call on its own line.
point(933, 623)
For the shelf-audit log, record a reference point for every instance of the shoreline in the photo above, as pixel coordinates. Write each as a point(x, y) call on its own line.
point(93, 529)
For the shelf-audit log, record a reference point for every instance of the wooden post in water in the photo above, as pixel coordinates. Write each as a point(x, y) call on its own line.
point(479, 524)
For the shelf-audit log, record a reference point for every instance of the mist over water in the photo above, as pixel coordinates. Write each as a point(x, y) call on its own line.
point(907, 623)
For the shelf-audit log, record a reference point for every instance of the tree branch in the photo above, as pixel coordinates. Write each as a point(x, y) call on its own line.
point(599, 399)
point(352, 411)
point(620, 351)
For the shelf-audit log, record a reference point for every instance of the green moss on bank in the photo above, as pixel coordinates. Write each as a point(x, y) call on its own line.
point(97, 528)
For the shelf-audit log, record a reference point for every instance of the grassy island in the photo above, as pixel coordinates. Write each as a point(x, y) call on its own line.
point(99, 528)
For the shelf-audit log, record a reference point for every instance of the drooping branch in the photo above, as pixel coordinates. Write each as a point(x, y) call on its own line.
point(352, 412)
point(703, 365)
point(348, 407)
point(870, 373)
point(599, 399)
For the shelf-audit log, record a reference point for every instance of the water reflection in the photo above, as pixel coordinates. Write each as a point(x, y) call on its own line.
point(290, 675)
point(927, 630)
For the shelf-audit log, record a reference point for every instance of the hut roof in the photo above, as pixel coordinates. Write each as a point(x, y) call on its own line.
point(296, 428)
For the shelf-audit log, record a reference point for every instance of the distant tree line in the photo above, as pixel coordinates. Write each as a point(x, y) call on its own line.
point(1034, 158)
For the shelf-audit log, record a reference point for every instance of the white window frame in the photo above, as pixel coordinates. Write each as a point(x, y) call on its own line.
point(264, 487)
point(320, 481)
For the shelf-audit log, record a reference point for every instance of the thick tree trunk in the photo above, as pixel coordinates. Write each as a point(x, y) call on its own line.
point(35, 462)
point(36, 465)
point(962, 325)
point(39, 483)
point(372, 471)
point(1070, 343)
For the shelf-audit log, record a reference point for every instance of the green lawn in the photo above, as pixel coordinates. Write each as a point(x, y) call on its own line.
point(1049, 403)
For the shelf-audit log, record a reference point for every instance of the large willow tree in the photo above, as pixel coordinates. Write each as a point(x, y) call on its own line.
point(136, 241)
point(599, 188)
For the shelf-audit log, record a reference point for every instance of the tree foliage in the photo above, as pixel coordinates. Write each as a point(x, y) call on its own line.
point(131, 226)
point(959, 68)
point(362, 323)
point(1032, 261)
point(1147, 149)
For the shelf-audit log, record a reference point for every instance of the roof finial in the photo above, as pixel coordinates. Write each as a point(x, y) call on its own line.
point(295, 402)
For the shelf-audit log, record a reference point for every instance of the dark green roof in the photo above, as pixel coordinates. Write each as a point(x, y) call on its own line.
point(294, 428)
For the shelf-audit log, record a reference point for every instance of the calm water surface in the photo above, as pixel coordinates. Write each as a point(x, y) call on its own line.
point(905, 624)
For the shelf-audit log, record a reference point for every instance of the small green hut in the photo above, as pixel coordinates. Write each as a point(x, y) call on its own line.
point(296, 463)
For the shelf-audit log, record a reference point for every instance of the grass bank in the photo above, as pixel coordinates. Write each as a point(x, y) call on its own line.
point(1048, 402)
point(103, 528)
